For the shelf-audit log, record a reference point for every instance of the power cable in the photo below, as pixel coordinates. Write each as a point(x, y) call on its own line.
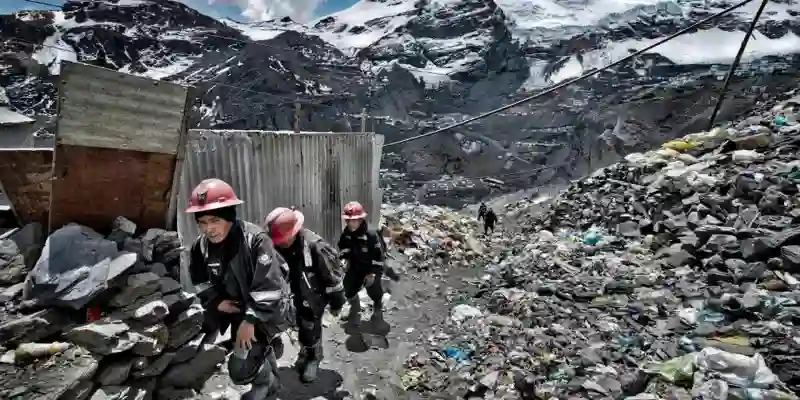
point(735, 64)
point(574, 80)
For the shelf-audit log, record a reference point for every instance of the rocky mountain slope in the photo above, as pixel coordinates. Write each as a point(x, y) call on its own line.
point(417, 65)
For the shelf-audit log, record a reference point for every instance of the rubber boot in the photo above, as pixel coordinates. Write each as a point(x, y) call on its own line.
point(311, 365)
point(377, 312)
point(355, 310)
point(266, 385)
point(261, 392)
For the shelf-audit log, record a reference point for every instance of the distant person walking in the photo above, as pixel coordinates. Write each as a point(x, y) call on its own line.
point(481, 211)
point(489, 219)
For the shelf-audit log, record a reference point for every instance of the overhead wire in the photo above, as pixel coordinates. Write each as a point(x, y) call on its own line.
point(736, 60)
point(537, 95)
point(573, 80)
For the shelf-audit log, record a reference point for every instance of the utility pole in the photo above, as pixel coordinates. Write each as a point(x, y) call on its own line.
point(296, 117)
point(364, 120)
point(732, 70)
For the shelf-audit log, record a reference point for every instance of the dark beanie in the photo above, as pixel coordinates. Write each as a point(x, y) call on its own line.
point(226, 213)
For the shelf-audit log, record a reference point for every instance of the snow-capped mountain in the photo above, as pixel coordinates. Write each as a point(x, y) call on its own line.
point(422, 64)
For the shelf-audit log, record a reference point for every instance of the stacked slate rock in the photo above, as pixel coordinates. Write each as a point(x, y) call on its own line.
point(672, 274)
point(118, 326)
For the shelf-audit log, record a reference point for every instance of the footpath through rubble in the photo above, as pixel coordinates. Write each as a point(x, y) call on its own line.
point(672, 274)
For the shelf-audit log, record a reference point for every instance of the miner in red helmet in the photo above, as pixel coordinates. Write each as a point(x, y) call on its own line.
point(364, 252)
point(242, 286)
point(315, 277)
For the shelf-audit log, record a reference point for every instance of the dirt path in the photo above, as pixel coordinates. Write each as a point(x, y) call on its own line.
point(368, 358)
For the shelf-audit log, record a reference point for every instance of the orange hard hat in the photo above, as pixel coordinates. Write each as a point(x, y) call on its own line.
point(354, 210)
point(283, 224)
point(212, 194)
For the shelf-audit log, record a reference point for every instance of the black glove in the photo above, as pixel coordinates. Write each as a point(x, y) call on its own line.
point(336, 301)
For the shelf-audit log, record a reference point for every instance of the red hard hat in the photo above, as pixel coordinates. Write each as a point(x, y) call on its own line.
point(283, 224)
point(354, 210)
point(211, 194)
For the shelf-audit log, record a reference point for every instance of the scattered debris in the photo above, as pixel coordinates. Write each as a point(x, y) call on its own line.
point(672, 274)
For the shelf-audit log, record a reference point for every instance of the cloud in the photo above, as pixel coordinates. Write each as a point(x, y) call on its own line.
point(260, 10)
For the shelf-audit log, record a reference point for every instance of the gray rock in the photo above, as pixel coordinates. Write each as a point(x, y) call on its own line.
point(33, 327)
point(179, 302)
point(156, 367)
point(151, 313)
point(12, 292)
point(139, 391)
point(50, 380)
point(136, 287)
point(149, 242)
point(189, 350)
point(82, 391)
point(151, 341)
point(77, 265)
point(12, 263)
point(169, 285)
point(158, 269)
point(187, 326)
point(172, 393)
point(194, 373)
point(115, 372)
point(103, 337)
point(791, 257)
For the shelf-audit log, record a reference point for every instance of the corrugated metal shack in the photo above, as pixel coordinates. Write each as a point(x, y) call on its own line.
point(118, 148)
point(316, 172)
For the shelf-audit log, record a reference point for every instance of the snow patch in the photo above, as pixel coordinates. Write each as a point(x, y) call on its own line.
point(431, 75)
point(127, 3)
point(712, 46)
point(175, 66)
point(365, 23)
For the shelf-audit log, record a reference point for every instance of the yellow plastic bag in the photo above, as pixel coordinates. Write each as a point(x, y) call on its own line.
point(679, 145)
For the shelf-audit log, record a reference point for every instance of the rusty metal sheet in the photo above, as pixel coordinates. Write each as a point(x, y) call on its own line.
point(119, 146)
point(25, 177)
point(93, 185)
point(100, 107)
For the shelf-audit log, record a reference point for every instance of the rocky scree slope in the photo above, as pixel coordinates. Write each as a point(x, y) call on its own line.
point(417, 65)
point(671, 274)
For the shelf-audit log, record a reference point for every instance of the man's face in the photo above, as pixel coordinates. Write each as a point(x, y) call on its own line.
point(214, 228)
point(288, 242)
point(353, 224)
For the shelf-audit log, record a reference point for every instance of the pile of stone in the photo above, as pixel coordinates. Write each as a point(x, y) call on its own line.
point(101, 318)
point(672, 274)
point(431, 236)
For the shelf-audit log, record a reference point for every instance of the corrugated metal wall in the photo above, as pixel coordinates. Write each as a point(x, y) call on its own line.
point(316, 172)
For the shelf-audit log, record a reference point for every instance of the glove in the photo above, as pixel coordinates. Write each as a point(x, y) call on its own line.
point(336, 301)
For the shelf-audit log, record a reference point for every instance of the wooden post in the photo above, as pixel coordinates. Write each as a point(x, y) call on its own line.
point(363, 119)
point(297, 117)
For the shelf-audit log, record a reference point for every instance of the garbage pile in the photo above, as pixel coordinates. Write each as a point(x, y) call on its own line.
point(431, 236)
point(672, 274)
point(101, 317)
